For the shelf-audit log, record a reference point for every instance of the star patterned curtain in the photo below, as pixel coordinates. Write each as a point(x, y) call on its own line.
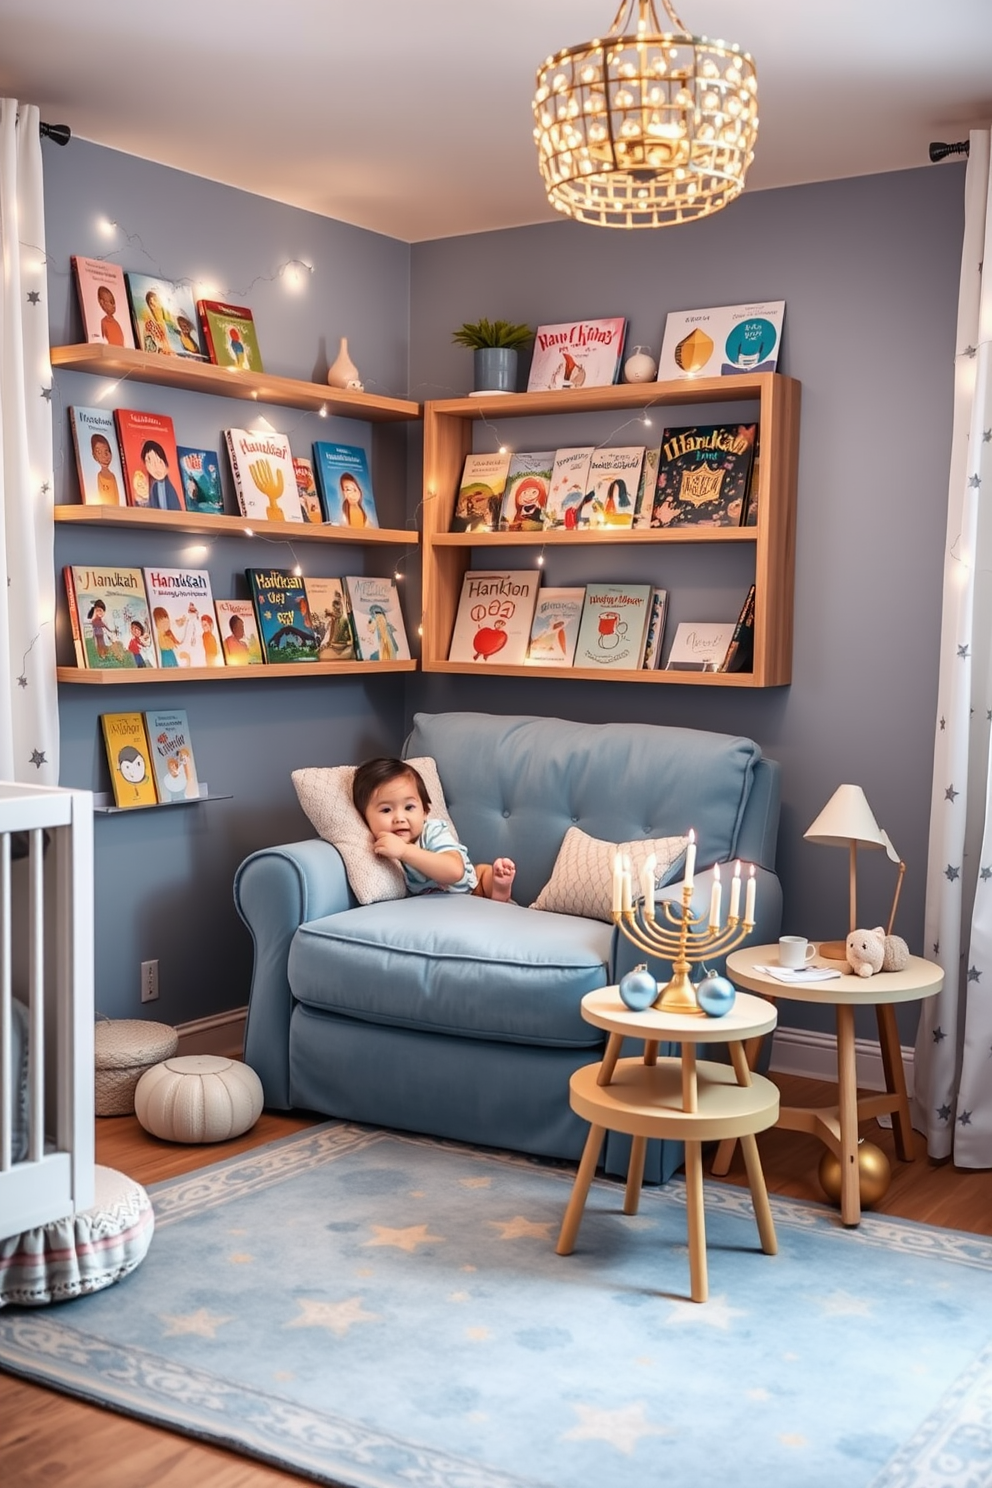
point(29, 721)
point(953, 1057)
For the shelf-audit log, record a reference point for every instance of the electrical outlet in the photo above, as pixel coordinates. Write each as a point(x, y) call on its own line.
point(149, 981)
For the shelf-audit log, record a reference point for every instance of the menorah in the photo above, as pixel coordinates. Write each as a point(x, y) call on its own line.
point(688, 941)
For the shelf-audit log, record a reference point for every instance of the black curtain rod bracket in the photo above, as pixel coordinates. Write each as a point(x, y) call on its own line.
point(939, 151)
point(60, 134)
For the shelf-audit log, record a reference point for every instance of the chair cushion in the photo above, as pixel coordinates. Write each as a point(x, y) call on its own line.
point(581, 882)
point(456, 964)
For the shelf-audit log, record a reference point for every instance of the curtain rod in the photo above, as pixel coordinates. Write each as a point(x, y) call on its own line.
point(940, 151)
point(60, 134)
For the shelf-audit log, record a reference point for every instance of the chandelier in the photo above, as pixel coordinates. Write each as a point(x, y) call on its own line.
point(645, 128)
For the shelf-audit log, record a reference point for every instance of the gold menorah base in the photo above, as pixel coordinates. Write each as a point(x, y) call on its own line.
point(679, 995)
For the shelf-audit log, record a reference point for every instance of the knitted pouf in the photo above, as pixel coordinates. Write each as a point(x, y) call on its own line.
point(124, 1049)
point(85, 1252)
point(198, 1098)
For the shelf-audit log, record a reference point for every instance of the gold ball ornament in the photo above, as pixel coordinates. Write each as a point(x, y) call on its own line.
point(874, 1173)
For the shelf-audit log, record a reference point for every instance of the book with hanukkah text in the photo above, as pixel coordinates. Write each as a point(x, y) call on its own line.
point(578, 353)
point(703, 475)
point(98, 461)
point(183, 620)
point(494, 617)
point(282, 612)
point(264, 476)
point(613, 627)
point(103, 301)
point(108, 612)
point(131, 771)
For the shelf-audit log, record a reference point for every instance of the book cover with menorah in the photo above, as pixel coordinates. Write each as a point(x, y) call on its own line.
point(703, 475)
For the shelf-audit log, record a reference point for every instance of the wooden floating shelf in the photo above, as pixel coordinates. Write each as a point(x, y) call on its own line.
point(228, 382)
point(591, 674)
point(136, 676)
point(604, 537)
point(229, 526)
point(687, 390)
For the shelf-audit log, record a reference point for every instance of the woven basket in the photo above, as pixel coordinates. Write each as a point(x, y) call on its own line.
point(125, 1048)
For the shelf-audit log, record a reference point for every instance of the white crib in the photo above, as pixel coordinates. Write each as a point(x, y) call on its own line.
point(46, 962)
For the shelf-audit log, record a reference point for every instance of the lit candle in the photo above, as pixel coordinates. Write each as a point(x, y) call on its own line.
point(617, 882)
point(735, 891)
point(749, 898)
point(716, 897)
point(690, 861)
point(647, 882)
point(625, 884)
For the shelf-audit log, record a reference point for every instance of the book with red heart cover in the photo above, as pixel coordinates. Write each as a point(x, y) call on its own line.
point(495, 615)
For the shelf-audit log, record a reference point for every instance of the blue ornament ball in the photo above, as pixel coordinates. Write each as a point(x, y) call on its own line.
point(715, 995)
point(638, 989)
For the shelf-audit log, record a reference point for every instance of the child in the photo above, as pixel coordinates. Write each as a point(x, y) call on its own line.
point(393, 799)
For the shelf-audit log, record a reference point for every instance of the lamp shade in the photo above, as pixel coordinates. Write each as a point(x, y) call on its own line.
point(847, 818)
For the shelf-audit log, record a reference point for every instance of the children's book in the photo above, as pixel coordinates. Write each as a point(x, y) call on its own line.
point(264, 478)
point(345, 484)
point(699, 646)
point(199, 473)
point(108, 612)
point(739, 655)
point(480, 493)
point(306, 489)
point(611, 488)
point(495, 615)
point(644, 505)
point(238, 631)
point(183, 619)
point(655, 633)
point(282, 613)
point(98, 461)
point(577, 353)
point(613, 627)
point(526, 494)
point(720, 342)
point(103, 301)
point(131, 771)
point(150, 459)
point(330, 619)
point(164, 317)
point(229, 335)
point(568, 486)
point(703, 475)
point(377, 619)
point(555, 627)
point(172, 756)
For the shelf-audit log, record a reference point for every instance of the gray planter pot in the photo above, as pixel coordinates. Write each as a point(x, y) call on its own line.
point(496, 369)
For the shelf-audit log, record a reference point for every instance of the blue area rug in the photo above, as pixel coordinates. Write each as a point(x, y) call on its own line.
point(385, 1311)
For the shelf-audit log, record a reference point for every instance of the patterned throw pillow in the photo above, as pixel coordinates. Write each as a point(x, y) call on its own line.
point(581, 881)
point(325, 795)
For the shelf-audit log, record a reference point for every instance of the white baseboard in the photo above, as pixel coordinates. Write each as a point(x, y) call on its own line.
point(802, 1051)
point(224, 1033)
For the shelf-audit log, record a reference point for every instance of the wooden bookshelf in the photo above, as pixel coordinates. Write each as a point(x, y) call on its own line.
point(137, 677)
point(229, 526)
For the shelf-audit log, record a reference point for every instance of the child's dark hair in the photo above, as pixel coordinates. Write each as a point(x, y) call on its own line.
point(376, 772)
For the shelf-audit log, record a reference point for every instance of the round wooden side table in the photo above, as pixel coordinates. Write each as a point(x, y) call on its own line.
point(678, 1097)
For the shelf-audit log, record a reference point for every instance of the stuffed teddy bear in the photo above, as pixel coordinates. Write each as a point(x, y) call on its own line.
point(869, 951)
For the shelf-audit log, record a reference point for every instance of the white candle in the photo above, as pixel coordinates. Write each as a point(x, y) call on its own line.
point(749, 898)
point(690, 861)
point(735, 891)
point(625, 884)
point(617, 883)
point(716, 898)
point(647, 882)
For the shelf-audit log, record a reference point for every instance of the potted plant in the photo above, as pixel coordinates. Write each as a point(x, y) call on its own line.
point(495, 344)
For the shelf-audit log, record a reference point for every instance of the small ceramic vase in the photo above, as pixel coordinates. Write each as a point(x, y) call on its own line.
point(343, 373)
point(640, 366)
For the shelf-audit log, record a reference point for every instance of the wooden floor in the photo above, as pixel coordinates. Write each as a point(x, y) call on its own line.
point(52, 1440)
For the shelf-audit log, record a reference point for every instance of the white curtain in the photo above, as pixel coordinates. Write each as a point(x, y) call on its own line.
point(29, 725)
point(953, 1061)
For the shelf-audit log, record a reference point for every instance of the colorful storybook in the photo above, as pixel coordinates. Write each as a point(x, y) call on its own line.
point(282, 612)
point(377, 620)
point(613, 627)
point(612, 485)
point(330, 619)
point(171, 752)
point(238, 630)
point(183, 618)
point(480, 493)
point(495, 615)
point(108, 613)
point(131, 770)
point(739, 655)
point(568, 486)
point(526, 495)
point(345, 484)
point(555, 627)
point(199, 475)
point(655, 633)
point(703, 475)
point(103, 301)
point(98, 461)
point(229, 335)
point(578, 353)
point(306, 489)
point(644, 505)
point(721, 342)
point(149, 458)
point(264, 477)
point(164, 317)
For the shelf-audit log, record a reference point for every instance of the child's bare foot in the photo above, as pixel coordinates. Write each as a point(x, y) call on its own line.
point(504, 870)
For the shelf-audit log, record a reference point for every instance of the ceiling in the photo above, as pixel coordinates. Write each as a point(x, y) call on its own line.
point(412, 117)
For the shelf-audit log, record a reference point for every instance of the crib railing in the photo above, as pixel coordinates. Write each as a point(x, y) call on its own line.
point(46, 962)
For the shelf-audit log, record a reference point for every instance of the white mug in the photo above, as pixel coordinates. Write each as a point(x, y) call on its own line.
point(795, 951)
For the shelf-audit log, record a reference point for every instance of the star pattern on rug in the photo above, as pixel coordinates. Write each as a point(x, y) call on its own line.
point(336, 1317)
point(404, 1239)
point(199, 1324)
point(519, 1228)
point(844, 1304)
point(622, 1428)
point(476, 1182)
point(717, 1313)
point(241, 1258)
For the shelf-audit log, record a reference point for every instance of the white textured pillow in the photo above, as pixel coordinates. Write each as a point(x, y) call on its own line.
point(325, 795)
point(581, 881)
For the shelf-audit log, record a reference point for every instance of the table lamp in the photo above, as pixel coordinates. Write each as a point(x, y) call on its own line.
point(847, 821)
